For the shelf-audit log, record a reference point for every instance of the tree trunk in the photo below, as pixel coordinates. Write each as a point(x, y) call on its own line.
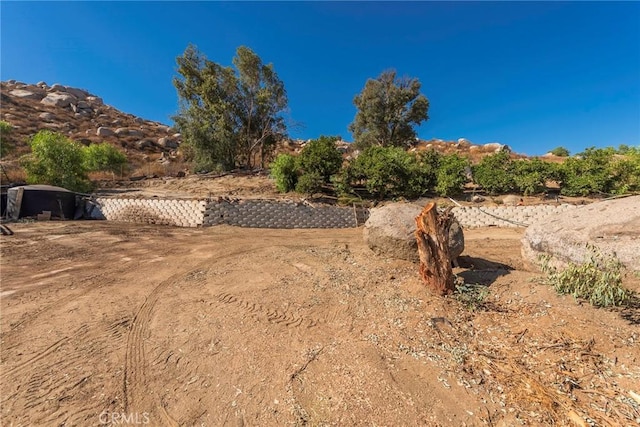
point(432, 236)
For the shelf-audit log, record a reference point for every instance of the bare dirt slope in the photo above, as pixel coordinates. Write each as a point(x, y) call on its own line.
point(228, 326)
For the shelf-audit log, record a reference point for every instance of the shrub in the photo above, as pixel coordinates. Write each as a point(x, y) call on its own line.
point(309, 183)
point(590, 173)
point(103, 157)
point(56, 160)
point(560, 152)
point(530, 176)
point(494, 173)
point(451, 175)
point(387, 172)
point(320, 157)
point(599, 280)
point(285, 172)
point(5, 130)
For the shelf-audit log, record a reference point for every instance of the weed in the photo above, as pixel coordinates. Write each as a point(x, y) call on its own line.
point(472, 296)
point(598, 280)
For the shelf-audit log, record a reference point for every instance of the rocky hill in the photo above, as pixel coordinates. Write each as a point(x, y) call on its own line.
point(151, 147)
point(83, 117)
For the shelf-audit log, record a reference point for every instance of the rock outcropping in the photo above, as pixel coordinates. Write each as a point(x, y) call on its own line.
point(390, 231)
point(81, 116)
point(611, 227)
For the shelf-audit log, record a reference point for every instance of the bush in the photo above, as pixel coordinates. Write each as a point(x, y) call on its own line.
point(56, 160)
point(310, 183)
point(494, 173)
point(599, 280)
point(530, 176)
point(387, 172)
point(285, 172)
point(451, 175)
point(560, 152)
point(588, 173)
point(104, 157)
point(320, 157)
point(5, 130)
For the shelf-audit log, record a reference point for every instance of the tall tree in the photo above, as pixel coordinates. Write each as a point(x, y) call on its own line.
point(229, 117)
point(388, 109)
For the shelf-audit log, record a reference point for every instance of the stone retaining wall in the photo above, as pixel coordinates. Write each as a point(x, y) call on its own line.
point(281, 214)
point(505, 216)
point(258, 213)
point(182, 213)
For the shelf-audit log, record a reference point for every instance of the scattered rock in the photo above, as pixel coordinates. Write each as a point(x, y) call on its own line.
point(57, 87)
point(78, 93)
point(390, 231)
point(511, 200)
point(165, 142)
point(95, 100)
point(59, 99)
point(477, 199)
point(135, 132)
point(122, 131)
point(21, 93)
point(42, 84)
point(612, 226)
point(145, 143)
point(104, 131)
point(47, 117)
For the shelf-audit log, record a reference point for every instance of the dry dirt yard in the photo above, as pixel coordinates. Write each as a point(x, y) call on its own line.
point(110, 323)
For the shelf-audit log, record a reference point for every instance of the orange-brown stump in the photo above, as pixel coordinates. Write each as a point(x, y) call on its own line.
point(432, 234)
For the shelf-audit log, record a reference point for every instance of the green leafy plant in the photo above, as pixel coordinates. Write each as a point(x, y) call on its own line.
point(530, 176)
point(320, 157)
point(472, 296)
point(285, 172)
point(560, 152)
point(309, 183)
point(5, 131)
point(103, 157)
point(387, 172)
point(598, 280)
point(588, 173)
point(56, 160)
point(494, 173)
point(451, 175)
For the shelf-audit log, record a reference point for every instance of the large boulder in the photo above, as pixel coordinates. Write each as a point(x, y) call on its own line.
point(390, 229)
point(59, 99)
point(25, 94)
point(611, 227)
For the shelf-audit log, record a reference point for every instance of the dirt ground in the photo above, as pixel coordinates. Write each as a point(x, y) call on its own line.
point(110, 323)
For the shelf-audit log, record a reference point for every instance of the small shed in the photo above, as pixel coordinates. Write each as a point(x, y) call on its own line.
point(31, 200)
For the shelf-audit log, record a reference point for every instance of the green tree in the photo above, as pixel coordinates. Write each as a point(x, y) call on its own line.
point(5, 131)
point(56, 160)
point(229, 117)
point(452, 175)
point(590, 172)
point(560, 152)
point(284, 171)
point(494, 173)
point(321, 157)
point(388, 109)
point(387, 172)
point(104, 157)
point(531, 176)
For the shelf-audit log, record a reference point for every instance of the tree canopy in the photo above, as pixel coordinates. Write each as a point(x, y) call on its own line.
point(388, 109)
point(229, 117)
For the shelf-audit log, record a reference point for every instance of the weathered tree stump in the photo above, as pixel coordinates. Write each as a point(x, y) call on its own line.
point(432, 236)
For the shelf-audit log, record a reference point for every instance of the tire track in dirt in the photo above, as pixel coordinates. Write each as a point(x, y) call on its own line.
point(276, 316)
point(135, 361)
point(44, 387)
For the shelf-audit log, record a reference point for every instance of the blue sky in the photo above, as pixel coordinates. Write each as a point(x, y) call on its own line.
point(533, 75)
